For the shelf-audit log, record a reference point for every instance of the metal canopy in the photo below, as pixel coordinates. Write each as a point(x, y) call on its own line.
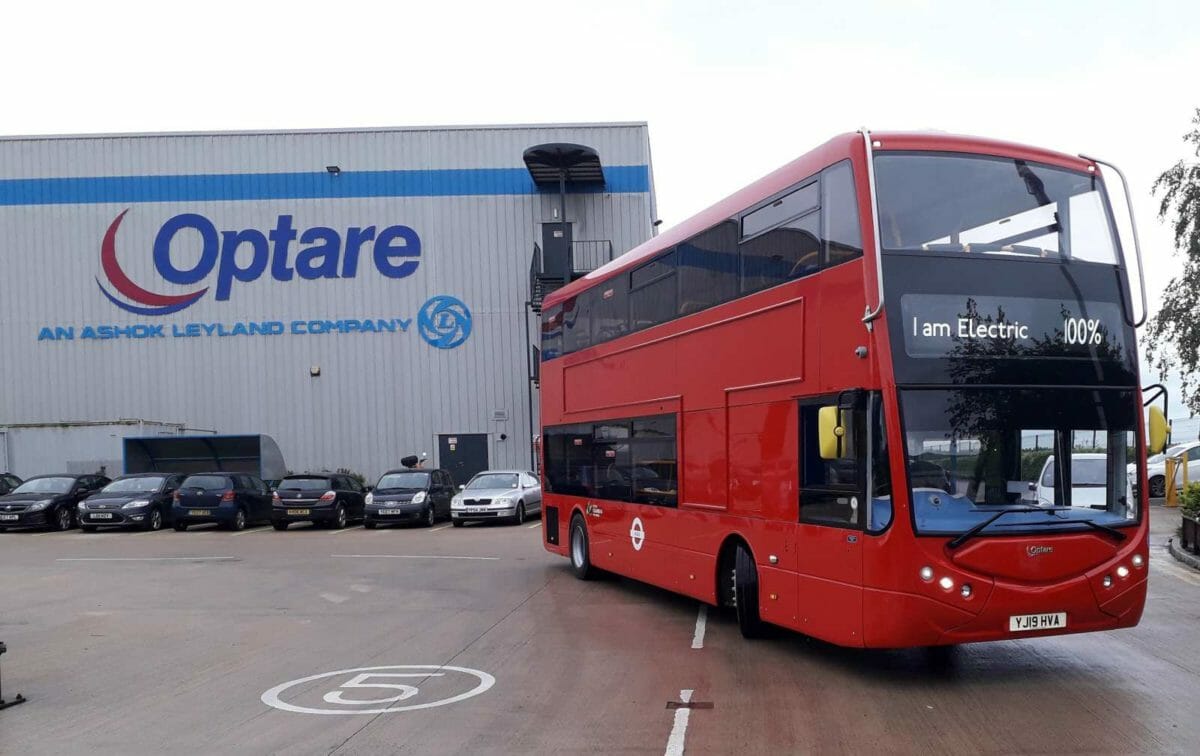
point(549, 164)
point(255, 454)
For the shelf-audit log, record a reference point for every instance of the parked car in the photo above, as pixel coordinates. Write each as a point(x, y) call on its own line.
point(497, 494)
point(233, 500)
point(324, 500)
point(8, 482)
point(1156, 468)
point(47, 501)
point(421, 496)
point(1089, 482)
point(139, 501)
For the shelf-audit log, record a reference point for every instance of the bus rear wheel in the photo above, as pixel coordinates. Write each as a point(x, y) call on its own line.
point(581, 559)
point(745, 593)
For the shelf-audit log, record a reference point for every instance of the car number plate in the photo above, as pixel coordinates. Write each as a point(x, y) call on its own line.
point(101, 515)
point(477, 509)
point(9, 518)
point(298, 511)
point(391, 511)
point(199, 512)
point(1019, 623)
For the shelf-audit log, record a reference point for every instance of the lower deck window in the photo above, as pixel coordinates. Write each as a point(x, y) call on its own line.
point(633, 460)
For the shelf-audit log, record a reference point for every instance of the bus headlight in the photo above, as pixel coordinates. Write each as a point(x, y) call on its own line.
point(1138, 561)
point(927, 574)
point(946, 583)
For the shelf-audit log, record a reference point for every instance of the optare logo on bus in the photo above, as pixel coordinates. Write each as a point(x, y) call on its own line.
point(246, 255)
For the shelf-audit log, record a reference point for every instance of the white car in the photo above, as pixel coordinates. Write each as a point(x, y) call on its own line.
point(1089, 487)
point(1156, 468)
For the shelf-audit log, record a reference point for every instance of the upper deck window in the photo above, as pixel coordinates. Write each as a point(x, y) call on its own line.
point(942, 202)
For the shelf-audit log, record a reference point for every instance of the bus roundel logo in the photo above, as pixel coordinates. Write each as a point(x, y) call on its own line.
point(637, 533)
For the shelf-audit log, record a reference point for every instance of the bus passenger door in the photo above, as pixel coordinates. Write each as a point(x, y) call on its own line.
point(832, 507)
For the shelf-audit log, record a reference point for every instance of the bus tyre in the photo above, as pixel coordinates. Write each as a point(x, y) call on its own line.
point(745, 593)
point(581, 559)
point(1158, 487)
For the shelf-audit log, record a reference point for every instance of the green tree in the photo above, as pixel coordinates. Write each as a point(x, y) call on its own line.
point(1174, 333)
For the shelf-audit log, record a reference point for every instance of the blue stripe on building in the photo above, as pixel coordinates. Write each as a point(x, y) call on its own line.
point(463, 182)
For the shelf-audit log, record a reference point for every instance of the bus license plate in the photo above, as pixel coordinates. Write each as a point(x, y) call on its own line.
point(1019, 623)
point(199, 512)
point(9, 518)
point(101, 515)
point(390, 512)
point(297, 512)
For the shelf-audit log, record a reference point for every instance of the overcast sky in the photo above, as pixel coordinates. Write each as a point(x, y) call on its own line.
point(730, 90)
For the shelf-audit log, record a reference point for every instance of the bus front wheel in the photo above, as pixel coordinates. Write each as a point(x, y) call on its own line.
point(745, 593)
point(581, 559)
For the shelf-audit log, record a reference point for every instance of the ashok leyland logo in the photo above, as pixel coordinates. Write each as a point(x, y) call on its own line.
point(322, 252)
point(444, 322)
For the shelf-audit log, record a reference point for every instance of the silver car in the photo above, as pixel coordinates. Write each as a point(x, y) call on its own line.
point(497, 494)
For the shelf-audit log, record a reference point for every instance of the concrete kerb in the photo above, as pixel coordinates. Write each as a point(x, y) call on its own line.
point(1182, 556)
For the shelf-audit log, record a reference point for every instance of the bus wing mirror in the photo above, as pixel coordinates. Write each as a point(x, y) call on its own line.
point(1159, 430)
point(831, 432)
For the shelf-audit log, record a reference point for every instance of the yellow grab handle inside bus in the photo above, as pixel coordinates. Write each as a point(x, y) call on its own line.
point(831, 432)
point(1159, 429)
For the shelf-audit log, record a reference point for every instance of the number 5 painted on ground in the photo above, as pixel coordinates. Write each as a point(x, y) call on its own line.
point(360, 681)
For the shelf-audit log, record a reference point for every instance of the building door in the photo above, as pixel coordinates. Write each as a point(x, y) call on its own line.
point(463, 454)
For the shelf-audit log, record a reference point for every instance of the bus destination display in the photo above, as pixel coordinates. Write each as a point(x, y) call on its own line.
point(982, 327)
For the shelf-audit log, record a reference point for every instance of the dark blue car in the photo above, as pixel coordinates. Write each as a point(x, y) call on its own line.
point(233, 500)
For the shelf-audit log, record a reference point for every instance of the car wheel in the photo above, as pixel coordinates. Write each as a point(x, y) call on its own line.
point(180, 527)
point(581, 559)
point(430, 517)
point(370, 524)
point(155, 522)
point(339, 517)
point(62, 518)
point(88, 528)
point(239, 520)
point(745, 593)
point(1158, 487)
point(279, 525)
point(520, 518)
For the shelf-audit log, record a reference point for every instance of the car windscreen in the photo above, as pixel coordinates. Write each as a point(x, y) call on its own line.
point(304, 484)
point(494, 480)
point(206, 482)
point(134, 485)
point(403, 481)
point(46, 485)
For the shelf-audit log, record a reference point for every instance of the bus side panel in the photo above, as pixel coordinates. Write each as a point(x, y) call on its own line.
point(702, 451)
point(758, 348)
point(596, 383)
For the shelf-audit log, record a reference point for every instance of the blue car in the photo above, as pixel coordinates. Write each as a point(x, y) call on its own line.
point(232, 500)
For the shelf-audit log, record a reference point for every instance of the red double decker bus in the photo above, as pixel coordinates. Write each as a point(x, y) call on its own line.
point(886, 396)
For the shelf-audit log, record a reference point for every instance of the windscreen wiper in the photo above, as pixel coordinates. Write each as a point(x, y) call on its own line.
point(968, 535)
point(1107, 530)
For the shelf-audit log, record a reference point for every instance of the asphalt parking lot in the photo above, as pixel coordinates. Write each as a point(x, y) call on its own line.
point(474, 640)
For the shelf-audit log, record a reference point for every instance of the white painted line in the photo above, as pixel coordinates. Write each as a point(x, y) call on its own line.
point(334, 598)
point(361, 588)
point(679, 729)
point(410, 556)
point(146, 559)
point(534, 525)
point(440, 527)
point(701, 622)
point(248, 531)
point(343, 531)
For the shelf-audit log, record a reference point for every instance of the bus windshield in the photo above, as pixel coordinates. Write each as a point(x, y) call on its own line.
point(947, 202)
point(1068, 455)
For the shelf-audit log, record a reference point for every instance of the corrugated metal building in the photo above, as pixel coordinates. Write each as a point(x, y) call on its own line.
point(359, 295)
